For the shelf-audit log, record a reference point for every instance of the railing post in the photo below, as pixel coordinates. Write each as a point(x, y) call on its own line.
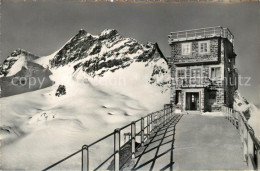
point(171, 111)
point(232, 116)
point(148, 125)
point(250, 146)
point(142, 131)
point(164, 114)
point(152, 121)
point(258, 159)
point(245, 143)
point(226, 111)
point(133, 139)
point(228, 114)
point(237, 121)
point(116, 149)
point(241, 129)
point(85, 158)
point(158, 119)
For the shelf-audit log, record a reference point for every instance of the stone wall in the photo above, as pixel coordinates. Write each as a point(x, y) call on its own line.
point(213, 56)
point(221, 50)
point(230, 73)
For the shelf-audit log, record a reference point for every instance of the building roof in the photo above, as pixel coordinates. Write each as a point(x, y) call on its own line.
point(201, 33)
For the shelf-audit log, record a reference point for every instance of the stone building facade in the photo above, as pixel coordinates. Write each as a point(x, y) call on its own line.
point(203, 70)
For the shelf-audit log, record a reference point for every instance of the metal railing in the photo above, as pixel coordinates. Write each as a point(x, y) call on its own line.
point(250, 144)
point(198, 82)
point(140, 129)
point(208, 32)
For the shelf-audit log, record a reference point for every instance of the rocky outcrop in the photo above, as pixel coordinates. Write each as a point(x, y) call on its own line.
point(60, 91)
point(19, 55)
point(108, 51)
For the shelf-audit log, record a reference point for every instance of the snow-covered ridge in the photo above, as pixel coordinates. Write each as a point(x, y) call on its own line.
point(250, 111)
point(108, 51)
point(89, 56)
point(14, 63)
point(242, 105)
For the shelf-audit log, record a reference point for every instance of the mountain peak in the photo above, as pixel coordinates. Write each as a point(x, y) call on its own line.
point(108, 33)
point(82, 32)
point(109, 51)
point(17, 58)
point(19, 51)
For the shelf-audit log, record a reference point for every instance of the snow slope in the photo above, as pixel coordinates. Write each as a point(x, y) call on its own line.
point(250, 111)
point(52, 127)
point(38, 128)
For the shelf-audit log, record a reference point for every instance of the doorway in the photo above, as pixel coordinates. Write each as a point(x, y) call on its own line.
point(192, 101)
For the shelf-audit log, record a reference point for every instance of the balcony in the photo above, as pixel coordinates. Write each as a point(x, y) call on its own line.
point(201, 33)
point(198, 82)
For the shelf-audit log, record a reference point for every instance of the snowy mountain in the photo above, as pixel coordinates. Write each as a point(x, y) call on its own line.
point(14, 63)
point(250, 111)
point(19, 73)
point(109, 80)
point(95, 55)
point(241, 104)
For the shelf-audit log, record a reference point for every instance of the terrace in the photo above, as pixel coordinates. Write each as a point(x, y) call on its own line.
point(201, 33)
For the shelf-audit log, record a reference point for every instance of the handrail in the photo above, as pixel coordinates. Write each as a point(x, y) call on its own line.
point(62, 160)
point(104, 161)
point(201, 33)
point(152, 121)
point(197, 29)
point(101, 139)
point(249, 142)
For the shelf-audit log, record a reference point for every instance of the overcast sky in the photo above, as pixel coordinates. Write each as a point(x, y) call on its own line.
point(43, 27)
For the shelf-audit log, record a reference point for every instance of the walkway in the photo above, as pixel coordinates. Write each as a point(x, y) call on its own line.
point(191, 142)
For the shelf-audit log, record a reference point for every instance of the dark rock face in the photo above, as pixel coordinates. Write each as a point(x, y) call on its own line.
point(98, 54)
point(61, 90)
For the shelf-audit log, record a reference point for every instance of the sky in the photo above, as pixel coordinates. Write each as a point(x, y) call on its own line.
point(43, 27)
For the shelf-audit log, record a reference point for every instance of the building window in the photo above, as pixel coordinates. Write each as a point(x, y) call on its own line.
point(215, 72)
point(180, 76)
point(186, 48)
point(181, 73)
point(196, 76)
point(204, 47)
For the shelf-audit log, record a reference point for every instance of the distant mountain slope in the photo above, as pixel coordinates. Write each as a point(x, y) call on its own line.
point(14, 63)
point(95, 55)
point(250, 111)
point(108, 51)
point(241, 104)
point(19, 74)
point(31, 77)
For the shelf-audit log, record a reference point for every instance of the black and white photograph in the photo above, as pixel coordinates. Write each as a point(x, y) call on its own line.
point(143, 85)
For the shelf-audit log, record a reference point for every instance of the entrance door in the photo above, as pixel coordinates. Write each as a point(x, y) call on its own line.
point(192, 101)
